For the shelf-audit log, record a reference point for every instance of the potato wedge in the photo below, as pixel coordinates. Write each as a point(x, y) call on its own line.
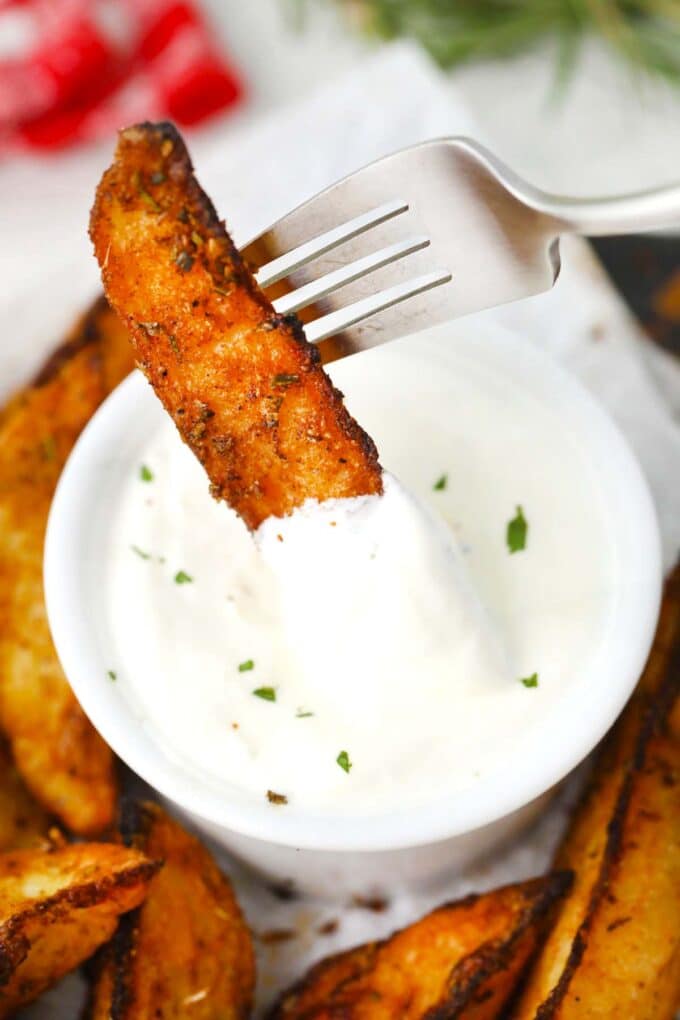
point(461, 961)
point(244, 388)
point(187, 950)
point(614, 950)
point(627, 962)
point(64, 762)
point(23, 823)
point(57, 908)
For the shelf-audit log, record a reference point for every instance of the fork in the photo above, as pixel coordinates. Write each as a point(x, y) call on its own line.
point(430, 233)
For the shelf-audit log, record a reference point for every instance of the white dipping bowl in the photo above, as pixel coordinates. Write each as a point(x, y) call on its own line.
point(416, 845)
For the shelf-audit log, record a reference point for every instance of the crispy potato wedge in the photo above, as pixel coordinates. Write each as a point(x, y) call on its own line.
point(64, 762)
point(23, 822)
point(57, 908)
point(614, 950)
point(187, 951)
point(461, 961)
point(627, 962)
point(245, 389)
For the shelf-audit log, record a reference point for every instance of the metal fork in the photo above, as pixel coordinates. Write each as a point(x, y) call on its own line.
point(428, 234)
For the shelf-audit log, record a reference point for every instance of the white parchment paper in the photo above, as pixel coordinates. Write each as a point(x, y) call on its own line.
point(255, 174)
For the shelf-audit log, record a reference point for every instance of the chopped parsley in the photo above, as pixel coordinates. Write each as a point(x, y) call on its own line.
point(181, 577)
point(285, 379)
point(48, 448)
point(144, 194)
point(441, 483)
point(276, 798)
point(245, 667)
point(140, 552)
point(516, 534)
point(150, 201)
point(184, 261)
point(112, 675)
point(301, 714)
point(343, 761)
point(266, 693)
point(145, 473)
point(530, 681)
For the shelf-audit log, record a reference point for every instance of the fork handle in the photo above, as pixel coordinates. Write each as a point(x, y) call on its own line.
point(628, 214)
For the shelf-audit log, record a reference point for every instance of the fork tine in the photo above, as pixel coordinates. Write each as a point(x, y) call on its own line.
point(285, 264)
point(492, 231)
point(312, 292)
point(337, 321)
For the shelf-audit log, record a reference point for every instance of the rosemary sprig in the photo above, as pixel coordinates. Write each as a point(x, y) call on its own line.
point(646, 33)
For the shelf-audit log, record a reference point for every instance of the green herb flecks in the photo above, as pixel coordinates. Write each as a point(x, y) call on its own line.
point(145, 473)
point(283, 379)
point(184, 261)
point(343, 761)
point(140, 552)
point(516, 533)
point(112, 675)
point(150, 201)
point(48, 448)
point(276, 798)
point(144, 194)
point(266, 693)
point(245, 667)
point(441, 483)
point(181, 577)
point(530, 681)
point(302, 714)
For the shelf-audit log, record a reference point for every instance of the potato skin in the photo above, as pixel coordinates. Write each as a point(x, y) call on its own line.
point(187, 951)
point(626, 959)
point(23, 823)
point(244, 388)
point(614, 950)
point(57, 908)
point(64, 762)
point(461, 962)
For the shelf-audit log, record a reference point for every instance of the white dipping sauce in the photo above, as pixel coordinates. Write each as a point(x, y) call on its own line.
point(363, 619)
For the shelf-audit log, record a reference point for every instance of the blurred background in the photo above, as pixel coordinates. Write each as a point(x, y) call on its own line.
point(580, 96)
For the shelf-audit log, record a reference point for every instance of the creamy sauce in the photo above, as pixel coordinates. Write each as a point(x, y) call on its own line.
point(396, 629)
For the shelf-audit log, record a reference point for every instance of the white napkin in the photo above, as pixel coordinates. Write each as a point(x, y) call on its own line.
point(255, 175)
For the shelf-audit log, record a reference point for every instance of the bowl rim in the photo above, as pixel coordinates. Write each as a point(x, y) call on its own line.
point(442, 819)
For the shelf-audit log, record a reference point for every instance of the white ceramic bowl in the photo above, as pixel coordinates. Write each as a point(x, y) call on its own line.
point(330, 854)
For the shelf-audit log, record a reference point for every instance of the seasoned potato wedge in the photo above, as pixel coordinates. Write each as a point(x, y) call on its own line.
point(614, 950)
point(628, 960)
point(57, 908)
point(23, 823)
point(245, 389)
point(187, 951)
point(63, 761)
point(461, 961)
